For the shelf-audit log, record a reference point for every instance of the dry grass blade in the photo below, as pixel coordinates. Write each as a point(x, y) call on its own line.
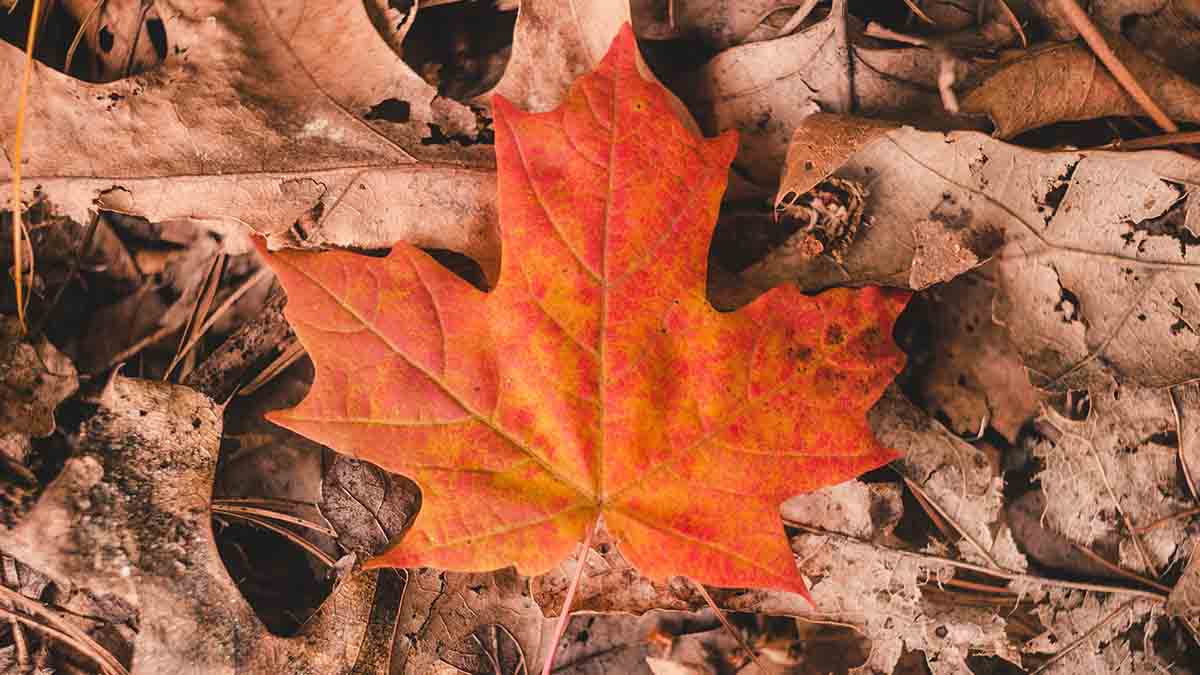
point(1150, 142)
point(726, 625)
point(1166, 519)
point(18, 137)
point(1090, 34)
point(1062, 653)
point(296, 539)
point(1012, 19)
point(216, 314)
point(218, 506)
point(982, 569)
point(797, 18)
point(927, 501)
point(286, 358)
point(83, 26)
point(192, 329)
point(38, 617)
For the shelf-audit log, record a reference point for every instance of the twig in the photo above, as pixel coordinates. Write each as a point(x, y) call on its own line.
point(94, 11)
point(797, 18)
point(62, 630)
point(1090, 34)
point(217, 314)
point(236, 510)
point(296, 539)
point(917, 489)
point(1189, 476)
point(999, 573)
point(912, 6)
point(1062, 653)
point(566, 610)
point(208, 291)
point(725, 623)
point(1166, 519)
point(1149, 142)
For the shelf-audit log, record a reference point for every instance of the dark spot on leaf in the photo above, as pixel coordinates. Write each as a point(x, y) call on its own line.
point(158, 37)
point(390, 110)
point(834, 334)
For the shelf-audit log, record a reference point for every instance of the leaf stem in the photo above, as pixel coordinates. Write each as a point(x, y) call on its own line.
point(566, 610)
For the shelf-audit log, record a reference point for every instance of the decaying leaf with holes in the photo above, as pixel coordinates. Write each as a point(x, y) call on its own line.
point(594, 379)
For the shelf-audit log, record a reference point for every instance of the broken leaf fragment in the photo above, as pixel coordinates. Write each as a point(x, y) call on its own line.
point(594, 379)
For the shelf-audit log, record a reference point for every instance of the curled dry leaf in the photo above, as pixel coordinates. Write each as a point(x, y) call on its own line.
point(526, 413)
point(1065, 82)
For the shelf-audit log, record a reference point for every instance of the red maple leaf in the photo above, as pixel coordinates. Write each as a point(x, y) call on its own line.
point(595, 379)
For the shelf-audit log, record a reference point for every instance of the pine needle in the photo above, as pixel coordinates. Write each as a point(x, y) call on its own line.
point(18, 137)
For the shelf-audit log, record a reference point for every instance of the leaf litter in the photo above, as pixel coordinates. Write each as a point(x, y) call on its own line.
point(1050, 350)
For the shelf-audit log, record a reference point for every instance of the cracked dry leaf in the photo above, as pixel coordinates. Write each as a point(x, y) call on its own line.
point(1127, 437)
point(304, 151)
point(958, 477)
point(1117, 634)
point(592, 381)
point(1095, 264)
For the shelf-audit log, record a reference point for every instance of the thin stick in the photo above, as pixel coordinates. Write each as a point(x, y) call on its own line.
point(982, 569)
point(215, 315)
point(797, 18)
point(912, 6)
point(1166, 519)
point(1159, 141)
point(286, 534)
point(1090, 34)
point(561, 627)
point(18, 138)
point(236, 510)
point(917, 489)
point(286, 358)
point(200, 310)
point(1062, 653)
point(63, 630)
point(725, 623)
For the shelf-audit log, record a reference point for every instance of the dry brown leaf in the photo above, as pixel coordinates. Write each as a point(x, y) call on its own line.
point(1124, 445)
point(718, 24)
point(1065, 82)
point(34, 379)
point(1094, 259)
point(974, 376)
point(765, 89)
point(291, 142)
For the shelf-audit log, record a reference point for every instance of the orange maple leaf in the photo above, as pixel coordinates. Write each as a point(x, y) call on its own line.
point(595, 379)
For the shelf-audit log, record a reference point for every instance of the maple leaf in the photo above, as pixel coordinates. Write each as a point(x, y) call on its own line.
point(595, 379)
